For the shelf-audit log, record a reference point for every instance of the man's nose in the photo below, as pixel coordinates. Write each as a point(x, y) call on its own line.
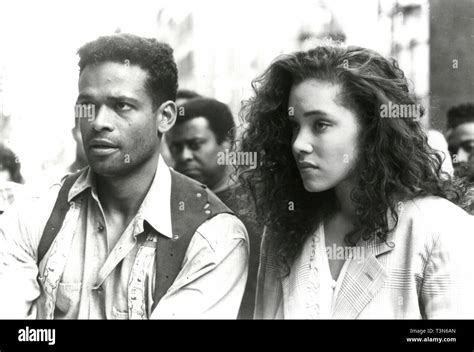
point(462, 156)
point(102, 119)
point(186, 154)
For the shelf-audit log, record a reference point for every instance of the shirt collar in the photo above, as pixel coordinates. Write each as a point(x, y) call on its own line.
point(156, 207)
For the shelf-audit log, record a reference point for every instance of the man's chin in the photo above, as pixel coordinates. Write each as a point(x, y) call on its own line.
point(194, 174)
point(107, 170)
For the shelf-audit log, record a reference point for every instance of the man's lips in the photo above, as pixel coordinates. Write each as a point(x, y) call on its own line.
point(101, 143)
point(102, 147)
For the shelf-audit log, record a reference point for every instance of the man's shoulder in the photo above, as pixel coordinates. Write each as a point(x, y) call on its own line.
point(184, 187)
point(223, 230)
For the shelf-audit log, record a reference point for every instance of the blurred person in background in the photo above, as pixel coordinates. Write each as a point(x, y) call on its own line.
point(182, 96)
point(81, 160)
point(360, 220)
point(460, 135)
point(10, 177)
point(204, 128)
point(203, 133)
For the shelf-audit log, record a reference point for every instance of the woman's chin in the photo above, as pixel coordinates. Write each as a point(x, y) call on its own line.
point(315, 187)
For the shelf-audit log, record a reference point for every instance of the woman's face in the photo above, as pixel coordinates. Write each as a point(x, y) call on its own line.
point(325, 134)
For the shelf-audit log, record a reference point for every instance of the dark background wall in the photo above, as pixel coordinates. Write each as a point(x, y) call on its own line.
point(451, 38)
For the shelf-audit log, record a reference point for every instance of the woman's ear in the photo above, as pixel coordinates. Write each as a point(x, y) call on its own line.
point(166, 115)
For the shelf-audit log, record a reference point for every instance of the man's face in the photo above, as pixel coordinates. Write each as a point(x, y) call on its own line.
point(461, 143)
point(194, 148)
point(122, 137)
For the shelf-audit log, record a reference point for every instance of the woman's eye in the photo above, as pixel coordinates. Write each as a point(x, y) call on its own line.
point(320, 126)
point(123, 106)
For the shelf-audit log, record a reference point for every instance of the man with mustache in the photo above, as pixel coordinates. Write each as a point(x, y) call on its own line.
point(127, 237)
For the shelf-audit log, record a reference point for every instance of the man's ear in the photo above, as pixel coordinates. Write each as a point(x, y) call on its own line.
point(226, 144)
point(448, 135)
point(166, 115)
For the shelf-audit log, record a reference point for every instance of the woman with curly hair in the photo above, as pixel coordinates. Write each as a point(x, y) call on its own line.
point(360, 221)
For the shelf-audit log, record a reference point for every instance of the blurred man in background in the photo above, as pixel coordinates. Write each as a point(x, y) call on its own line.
point(203, 129)
point(81, 159)
point(182, 96)
point(460, 136)
point(202, 135)
point(10, 177)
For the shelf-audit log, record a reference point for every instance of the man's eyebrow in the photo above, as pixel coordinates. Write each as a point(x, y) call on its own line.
point(194, 139)
point(122, 97)
point(113, 98)
point(83, 97)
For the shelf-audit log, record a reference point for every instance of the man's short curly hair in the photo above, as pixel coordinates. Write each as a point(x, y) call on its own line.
point(152, 56)
point(218, 114)
point(460, 114)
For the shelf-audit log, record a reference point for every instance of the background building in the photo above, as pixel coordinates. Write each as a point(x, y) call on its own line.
point(220, 48)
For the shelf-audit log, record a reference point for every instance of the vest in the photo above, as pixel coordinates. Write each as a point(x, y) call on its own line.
point(200, 204)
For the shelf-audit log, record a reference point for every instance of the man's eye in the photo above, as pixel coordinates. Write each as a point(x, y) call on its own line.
point(195, 145)
point(123, 106)
point(175, 148)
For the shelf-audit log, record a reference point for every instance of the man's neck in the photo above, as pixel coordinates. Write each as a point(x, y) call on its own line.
point(123, 195)
point(224, 183)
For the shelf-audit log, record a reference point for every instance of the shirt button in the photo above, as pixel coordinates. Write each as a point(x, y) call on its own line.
point(207, 211)
point(199, 195)
point(100, 228)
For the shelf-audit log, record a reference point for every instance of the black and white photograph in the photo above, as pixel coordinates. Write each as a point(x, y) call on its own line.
point(237, 160)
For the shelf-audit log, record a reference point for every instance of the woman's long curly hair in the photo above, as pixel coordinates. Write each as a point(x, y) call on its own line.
point(395, 162)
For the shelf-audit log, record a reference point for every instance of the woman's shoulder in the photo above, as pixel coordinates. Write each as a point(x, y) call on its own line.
point(435, 218)
point(435, 208)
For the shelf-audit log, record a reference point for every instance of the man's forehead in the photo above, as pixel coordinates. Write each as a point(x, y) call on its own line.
point(197, 127)
point(111, 75)
point(464, 130)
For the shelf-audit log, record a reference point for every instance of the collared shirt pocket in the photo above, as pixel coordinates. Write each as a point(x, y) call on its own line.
point(67, 299)
point(119, 315)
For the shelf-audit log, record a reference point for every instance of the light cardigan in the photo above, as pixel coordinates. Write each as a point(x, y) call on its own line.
point(425, 270)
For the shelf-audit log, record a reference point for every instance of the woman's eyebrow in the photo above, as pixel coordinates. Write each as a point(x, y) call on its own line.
point(315, 113)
